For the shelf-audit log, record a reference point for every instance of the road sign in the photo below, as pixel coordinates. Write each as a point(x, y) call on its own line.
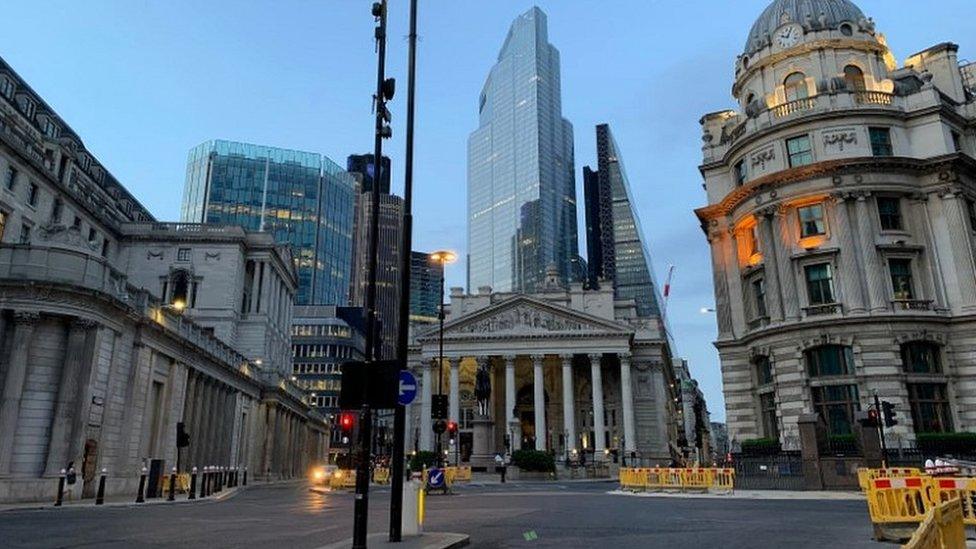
point(408, 388)
point(435, 477)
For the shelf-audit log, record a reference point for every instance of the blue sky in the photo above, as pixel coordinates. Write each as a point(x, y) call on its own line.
point(143, 82)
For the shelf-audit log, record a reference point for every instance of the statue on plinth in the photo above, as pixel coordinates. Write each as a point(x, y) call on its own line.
point(482, 388)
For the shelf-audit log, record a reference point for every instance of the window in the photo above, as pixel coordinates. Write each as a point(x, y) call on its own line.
point(820, 284)
point(799, 150)
point(750, 242)
point(183, 254)
point(829, 360)
point(854, 77)
point(76, 223)
point(795, 86)
point(930, 407)
point(181, 288)
point(3, 224)
point(6, 87)
point(92, 235)
point(759, 294)
point(880, 141)
point(25, 232)
point(56, 210)
point(11, 178)
point(767, 405)
point(740, 172)
point(901, 277)
point(847, 30)
point(105, 247)
point(889, 212)
point(921, 357)
point(811, 220)
point(836, 404)
point(50, 129)
point(32, 193)
point(764, 370)
point(957, 141)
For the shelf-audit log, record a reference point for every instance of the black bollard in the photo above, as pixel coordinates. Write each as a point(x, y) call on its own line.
point(172, 486)
point(220, 479)
point(203, 482)
point(193, 484)
point(140, 498)
point(60, 497)
point(245, 476)
point(100, 496)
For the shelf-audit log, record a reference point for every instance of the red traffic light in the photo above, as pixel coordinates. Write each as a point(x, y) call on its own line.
point(346, 421)
point(452, 427)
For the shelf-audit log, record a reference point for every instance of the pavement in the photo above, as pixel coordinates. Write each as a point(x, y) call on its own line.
point(120, 501)
point(519, 514)
point(430, 540)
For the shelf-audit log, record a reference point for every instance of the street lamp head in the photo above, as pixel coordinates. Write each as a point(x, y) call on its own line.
point(443, 257)
point(706, 310)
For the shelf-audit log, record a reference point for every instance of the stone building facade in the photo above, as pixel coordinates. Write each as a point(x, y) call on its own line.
point(115, 328)
point(842, 228)
point(571, 370)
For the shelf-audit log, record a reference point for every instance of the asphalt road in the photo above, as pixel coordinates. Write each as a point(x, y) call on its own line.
point(514, 515)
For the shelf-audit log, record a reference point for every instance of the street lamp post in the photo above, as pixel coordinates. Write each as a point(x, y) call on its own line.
point(443, 257)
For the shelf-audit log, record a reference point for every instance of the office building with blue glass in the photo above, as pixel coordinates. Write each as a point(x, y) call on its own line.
point(303, 199)
point(521, 181)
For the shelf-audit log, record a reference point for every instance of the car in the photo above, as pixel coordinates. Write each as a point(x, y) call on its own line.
point(322, 475)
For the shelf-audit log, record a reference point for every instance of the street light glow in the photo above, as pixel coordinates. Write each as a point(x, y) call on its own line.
point(443, 256)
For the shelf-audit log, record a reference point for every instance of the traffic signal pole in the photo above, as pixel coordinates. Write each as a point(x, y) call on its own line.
point(361, 506)
point(406, 244)
point(881, 428)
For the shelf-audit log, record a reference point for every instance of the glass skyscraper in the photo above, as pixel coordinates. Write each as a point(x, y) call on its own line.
point(521, 182)
point(616, 248)
point(303, 199)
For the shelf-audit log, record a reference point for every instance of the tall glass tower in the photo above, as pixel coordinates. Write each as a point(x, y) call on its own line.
point(521, 182)
point(303, 199)
point(616, 248)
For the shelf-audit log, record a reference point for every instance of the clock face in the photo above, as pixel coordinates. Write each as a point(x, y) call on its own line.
point(789, 35)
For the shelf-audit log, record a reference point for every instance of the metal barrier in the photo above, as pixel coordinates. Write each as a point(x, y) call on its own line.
point(942, 528)
point(462, 473)
point(182, 483)
point(666, 478)
point(343, 478)
point(865, 476)
point(962, 489)
point(898, 500)
point(381, 475)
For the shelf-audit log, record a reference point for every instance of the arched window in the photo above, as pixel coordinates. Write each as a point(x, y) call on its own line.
point(854, 77)
point(750, 98)
point(796, 86)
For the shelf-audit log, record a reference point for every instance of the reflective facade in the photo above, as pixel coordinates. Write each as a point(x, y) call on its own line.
point(302, 198)
point(616, 247)
point(426, 277)
point(521, 185)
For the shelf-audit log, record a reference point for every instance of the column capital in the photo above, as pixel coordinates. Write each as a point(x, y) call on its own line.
point(595, 357)
point(509, 360)
point(624, 358)
point(538, 359)
point(483, 361)
point(27, 317)
point(453, 361)
point(83, 323)
point(567, 359)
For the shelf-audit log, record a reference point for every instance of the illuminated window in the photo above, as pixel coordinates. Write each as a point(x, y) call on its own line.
point(901, 278)
point(854, 77)
point(811, 220)
point(795, 86)
point(820, 284)
point(800, 151)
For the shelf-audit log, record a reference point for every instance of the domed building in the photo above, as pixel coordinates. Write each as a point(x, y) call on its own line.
point(842, 227)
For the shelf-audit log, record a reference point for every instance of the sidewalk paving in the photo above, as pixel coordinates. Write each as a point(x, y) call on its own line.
point(121, 501)
point(750, 494)
point(427, 540)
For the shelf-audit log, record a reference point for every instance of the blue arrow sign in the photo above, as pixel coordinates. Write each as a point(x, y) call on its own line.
point(435, 477)
point(407, 390)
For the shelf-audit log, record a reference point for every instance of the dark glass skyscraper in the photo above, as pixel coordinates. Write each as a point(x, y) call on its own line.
point(425, 287)
point(521, 181)
point(362, 164)
point(303, 199)
point(616, 249)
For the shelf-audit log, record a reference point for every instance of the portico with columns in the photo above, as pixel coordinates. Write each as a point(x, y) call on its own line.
point(563, 380)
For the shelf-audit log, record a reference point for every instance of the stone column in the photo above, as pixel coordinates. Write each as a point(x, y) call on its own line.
point(599, 429)
point(961, 246)
point(454, 404)
point(874, 271)
point(784, 264)
point(510, 419)
point(206, 433)
point(187, 419)
point(627, 396)
point(767, 243)
point(539, 402)
point(426, 405)
point(849, 271)
point(569, 410)
point(73, 385)
point(271, 425)
point(196, 428)
point(13, 387)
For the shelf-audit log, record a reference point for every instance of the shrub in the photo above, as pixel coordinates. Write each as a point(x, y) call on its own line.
point(946, 443)
point(423, 459)
point(534, 460)
point(761, 446)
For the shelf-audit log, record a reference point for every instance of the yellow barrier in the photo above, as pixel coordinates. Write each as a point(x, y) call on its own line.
point(381, 475)
point(182, 483)
point(942, 528)
point(463, 473)
point(865, 476)
point(343, 478)
point(898, 500)
point(666, 478)
point(963, 489)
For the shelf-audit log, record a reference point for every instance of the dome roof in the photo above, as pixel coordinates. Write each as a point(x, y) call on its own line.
point(804, 12)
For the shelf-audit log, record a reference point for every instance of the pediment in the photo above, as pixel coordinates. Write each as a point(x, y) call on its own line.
point(524, 316)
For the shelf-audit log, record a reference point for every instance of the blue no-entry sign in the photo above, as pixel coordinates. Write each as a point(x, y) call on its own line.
point(435, 477)
point(407, 390)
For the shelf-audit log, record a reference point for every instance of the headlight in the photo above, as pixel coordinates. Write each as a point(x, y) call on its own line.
point(318, 474)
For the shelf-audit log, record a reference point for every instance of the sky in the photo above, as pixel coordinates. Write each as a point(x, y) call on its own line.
point(142, 82)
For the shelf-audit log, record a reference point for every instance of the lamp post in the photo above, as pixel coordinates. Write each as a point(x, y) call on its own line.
point(443, 257)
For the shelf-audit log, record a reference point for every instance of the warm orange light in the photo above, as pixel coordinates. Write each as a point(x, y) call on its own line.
point(443, 256)
point(179, 305)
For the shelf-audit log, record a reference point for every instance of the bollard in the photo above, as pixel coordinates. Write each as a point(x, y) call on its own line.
point(245, 476)
point(203, 482)
point(100, 496)
point(193, 484)
point(217, 486)
point(172, 486)
point(140, 498)
point(60, 497)
point(206, 481)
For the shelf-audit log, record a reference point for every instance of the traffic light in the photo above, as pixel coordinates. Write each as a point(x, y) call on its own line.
point(452, 428)
point(346, 422)
point(888, 411)
point(872, 418)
